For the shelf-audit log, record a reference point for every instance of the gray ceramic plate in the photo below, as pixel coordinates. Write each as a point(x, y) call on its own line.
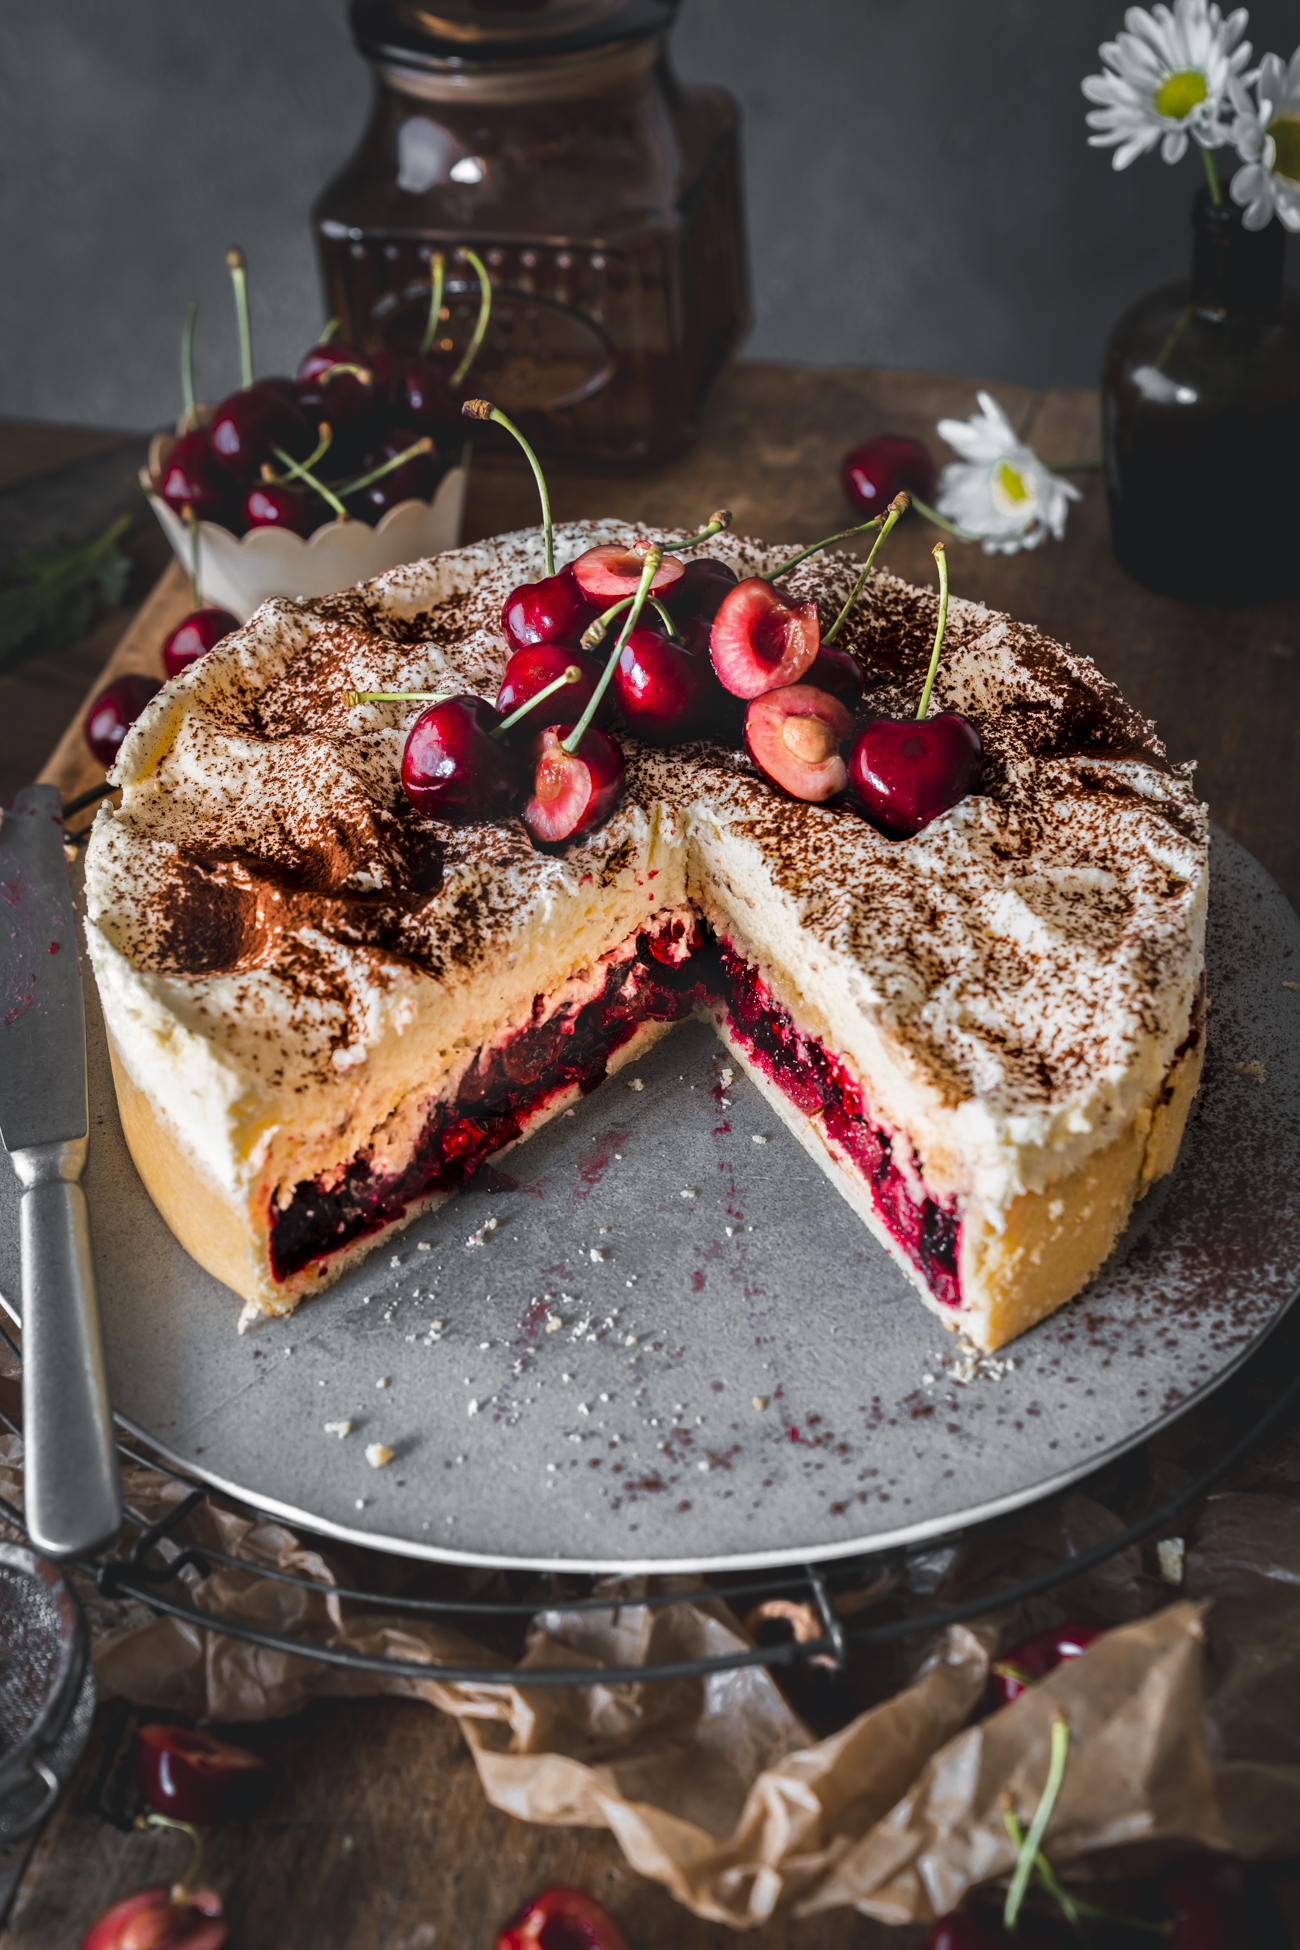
point(667, 1346)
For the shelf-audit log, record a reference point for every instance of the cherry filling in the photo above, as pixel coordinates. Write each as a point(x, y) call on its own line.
point(818, 1084)
point(671, 973)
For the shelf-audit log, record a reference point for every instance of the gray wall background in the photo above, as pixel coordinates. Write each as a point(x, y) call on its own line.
point(920, 190)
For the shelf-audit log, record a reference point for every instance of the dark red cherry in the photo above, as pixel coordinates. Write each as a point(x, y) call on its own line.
point(113, 713)
point(699, 589)
point(531, 670)
point(452, 767)
point(1033, 1658)
point(794, 737)
point(1216, 1904)
point(664, 692)
point(190, 478)
point(905, 773)
point(614, 569)
point(159, 1919)
point(838, 672)
point(420, 395)
point(762, 637)
point(194, 636)
point(554, 610)
point(346, 401)
point(415, 480)
point(250, 423)
point(194, 1777)
point(888, 465)
point(269, 506)
point(967, 1929)
point(561, 1919)
point(571, 795)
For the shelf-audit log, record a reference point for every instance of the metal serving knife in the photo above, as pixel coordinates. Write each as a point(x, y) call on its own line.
point(72, 1492)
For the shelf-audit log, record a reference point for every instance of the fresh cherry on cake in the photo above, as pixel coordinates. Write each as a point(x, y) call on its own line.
point(1023, 1664)
point(905, 772)
point(836, 671)
point(762, 637)
point(195, 1777)
point(562, 1919)
point(190, 478)
point(665, 693)
point(270, 504)
point(160, 1919)
point(553, 610)
point(248, 425)
point(528, 671)
point(452, 766)
point(890, 464)
point(794, 737)
point(699, 589)
point(113, 713)
point(572, 793)
point(614, 569)
point(194, 636)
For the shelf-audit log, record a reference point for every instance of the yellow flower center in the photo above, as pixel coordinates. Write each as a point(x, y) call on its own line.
point(1178, 94)
point(1285, 131)
point(1011, 484)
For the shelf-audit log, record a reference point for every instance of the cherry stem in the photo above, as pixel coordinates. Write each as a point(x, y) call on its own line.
point(300, 472)
point(482, 409)
point(898, 506)
point(180, 1889)
point(484, 313)
point(1060, 1751)
point(331, 331)
point(187, 363)
point(940, 521)
point(324, 435)
point(1005, 1670)
point(594, 634)
point(239, 278)
point(1212, 178)
point(437, 275)
point(191, 522)
point(941, 557)
point(352, 698)
point(715, 527)
point(569, 676)
point(331, 373)
point(650, 569)
point(424, 446)
point(817, 547)
point(1073, 1907)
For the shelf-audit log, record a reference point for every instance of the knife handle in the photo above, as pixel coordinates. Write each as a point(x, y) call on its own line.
point(72, 1493)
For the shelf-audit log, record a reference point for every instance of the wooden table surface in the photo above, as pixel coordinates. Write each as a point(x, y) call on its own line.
point(378, 1837)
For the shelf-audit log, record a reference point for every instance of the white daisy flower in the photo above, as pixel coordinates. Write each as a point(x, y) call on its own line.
point(999, 492)
point(1168, 78)
point(1266, 134)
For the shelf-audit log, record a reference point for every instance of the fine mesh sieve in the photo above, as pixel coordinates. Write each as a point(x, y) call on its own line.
point(47, 1688)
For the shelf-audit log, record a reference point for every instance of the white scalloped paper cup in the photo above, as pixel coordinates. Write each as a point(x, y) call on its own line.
point(237, 572)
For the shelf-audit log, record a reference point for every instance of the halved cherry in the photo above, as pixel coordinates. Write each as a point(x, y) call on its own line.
point(562, 1919)
point(452, 767)
point(614, 570)
point(794, 737)
point(529, 671)
point(194, 1777)
point(906, 771)
point(160, 1919)
point(762, 637)
point(1021, 1665)
point(194, 636)
point(571, 794)
point(665, 693)
point(554, 610)
point(836, 671)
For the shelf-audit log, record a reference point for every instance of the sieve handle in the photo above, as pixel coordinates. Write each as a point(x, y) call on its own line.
point(72, 1494)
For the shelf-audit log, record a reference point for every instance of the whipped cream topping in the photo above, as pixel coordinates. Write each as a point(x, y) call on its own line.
point(281, 939)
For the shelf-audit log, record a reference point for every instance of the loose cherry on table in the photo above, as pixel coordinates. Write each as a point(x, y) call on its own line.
point(452, 766)
point(194, 1777)
point(794, 736)
point(905, 772)
point(194, 636)
point(160, 1919)
point(969, 1929)
point(529, 670)
point(1022, 1665)
point(272, 504)
point(562, 1919)
point(762, 637)
point(572, 793)
point(1216, 1903)
point(881, 468)
point(666, 693)
point(190, 478)
point(553, 610)
point(113, 713)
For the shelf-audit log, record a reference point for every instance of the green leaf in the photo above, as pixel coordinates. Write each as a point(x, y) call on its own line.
point(51, 594)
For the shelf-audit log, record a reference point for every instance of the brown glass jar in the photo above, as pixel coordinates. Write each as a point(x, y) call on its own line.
point(554, 140)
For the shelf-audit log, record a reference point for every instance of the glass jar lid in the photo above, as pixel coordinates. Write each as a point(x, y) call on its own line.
point(460, 33)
